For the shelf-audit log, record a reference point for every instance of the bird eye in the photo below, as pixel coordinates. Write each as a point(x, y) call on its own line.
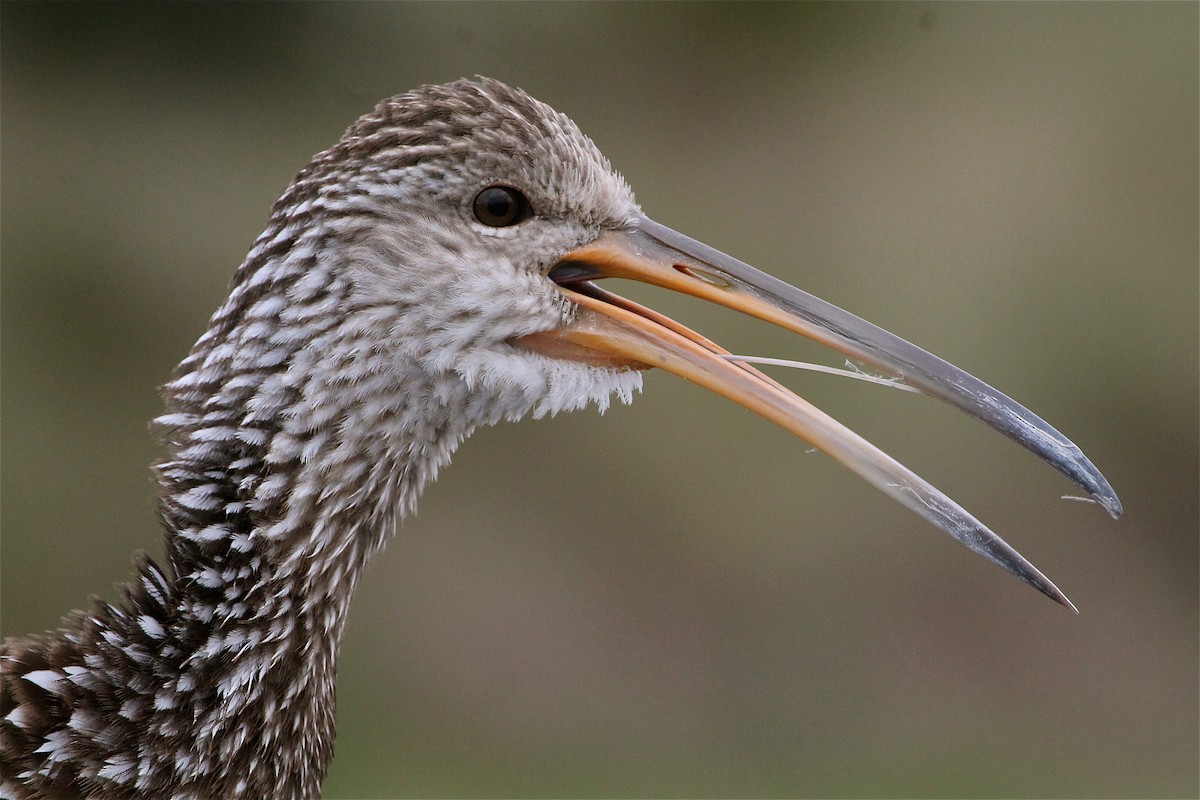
point(501, 206)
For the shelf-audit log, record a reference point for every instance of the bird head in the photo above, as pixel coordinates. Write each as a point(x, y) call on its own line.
point(479, 191)
point(452, 244)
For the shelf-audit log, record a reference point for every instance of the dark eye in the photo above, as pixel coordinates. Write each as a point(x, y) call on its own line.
point(501, 206)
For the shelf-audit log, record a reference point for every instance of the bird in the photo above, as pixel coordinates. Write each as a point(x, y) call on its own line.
point(436, 270)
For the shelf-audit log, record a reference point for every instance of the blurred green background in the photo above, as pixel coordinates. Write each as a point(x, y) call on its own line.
point(676, 598)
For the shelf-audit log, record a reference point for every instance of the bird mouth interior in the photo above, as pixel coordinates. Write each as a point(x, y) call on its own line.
point(609, 330)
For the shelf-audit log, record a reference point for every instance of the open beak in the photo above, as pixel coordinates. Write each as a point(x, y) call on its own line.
point(612, 330)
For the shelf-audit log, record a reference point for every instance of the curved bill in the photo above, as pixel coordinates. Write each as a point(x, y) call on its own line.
point(612, 330)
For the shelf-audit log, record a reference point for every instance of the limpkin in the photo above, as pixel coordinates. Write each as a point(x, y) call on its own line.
point(435, 270)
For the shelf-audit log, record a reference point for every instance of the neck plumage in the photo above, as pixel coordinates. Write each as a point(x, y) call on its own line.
point(295, 446)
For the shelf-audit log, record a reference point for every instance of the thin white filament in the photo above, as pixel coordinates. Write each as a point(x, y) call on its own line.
point(853, 372)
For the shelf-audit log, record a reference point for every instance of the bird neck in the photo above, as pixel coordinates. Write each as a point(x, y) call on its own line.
point(295, 450)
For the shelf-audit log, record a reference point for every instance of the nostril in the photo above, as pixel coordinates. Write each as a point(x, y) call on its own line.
point(703, 275)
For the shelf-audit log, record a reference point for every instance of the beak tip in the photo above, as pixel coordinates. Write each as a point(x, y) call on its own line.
point(1112, 504)
point(1106, 498)
point(1046, 587)
point(1084, 473)
point(1065, 601)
